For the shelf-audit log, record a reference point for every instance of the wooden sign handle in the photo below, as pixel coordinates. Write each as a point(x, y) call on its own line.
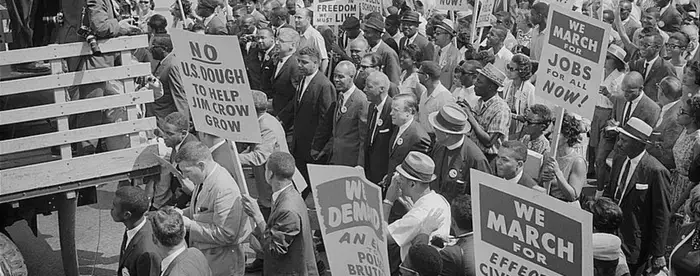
point(238, 170)
point(554, 142)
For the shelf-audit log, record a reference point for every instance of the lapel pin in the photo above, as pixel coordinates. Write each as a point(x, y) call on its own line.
point(399, 141)
point(380, 122)
point(343, 109)
point(452, 173)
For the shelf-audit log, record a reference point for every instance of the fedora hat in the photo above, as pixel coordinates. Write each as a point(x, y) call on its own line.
point(350, 23)
point(446, 25)
point(491, 72)
point(617, 52)
point(410, 16)
point(418, 167)
point(451, 119)
point(636, 129)
point(375, 24)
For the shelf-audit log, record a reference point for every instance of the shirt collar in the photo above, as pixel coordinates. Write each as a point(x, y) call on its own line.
point(380, 106)
point(130, 233)
point(183, 140)
point(217, 145)
point(376, 47)
point(634, 161)
point(444, 49)
point(405, 125)
point(413, 38)
point(308, 78)
point(284, 59)
point(662, 10)
point(277, 194)
point(517, 177)
point(170, 258)
point(457, 144)
point(308, 31)
point(347, 94)
point(651, 62)
point(668, 106)
point(208, 19)
point(638, 98)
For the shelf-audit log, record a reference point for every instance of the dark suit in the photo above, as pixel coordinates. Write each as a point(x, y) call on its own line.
point(253, 65)
point(284, 86)
point(267, 72)
point(458, 259)
point(455, 165)
point(414, 138)
point(394, 45)
point(347, 143)
point(390, 61)
point(311, 117)
point(377, 148)
point(426, 46)
point(645, 207)
point(660, 69)
point(190, 262)
point(287, 242)
point(140, 257)
point(168, 191)
point(671, 19)
point(174, 98)
point(216, 26)
point(666, 135)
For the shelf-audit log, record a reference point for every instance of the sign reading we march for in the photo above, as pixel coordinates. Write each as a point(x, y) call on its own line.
point(573, 55)
point(520, 231)
point(216, 85)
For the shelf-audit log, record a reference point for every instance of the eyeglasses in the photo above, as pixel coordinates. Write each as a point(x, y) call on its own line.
point(511, 68)
point(674, 46)
point(362, 66)
point(144, 2)
point(647, 46)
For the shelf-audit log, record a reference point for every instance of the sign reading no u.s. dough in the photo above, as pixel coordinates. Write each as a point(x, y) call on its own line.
point(569, 73)
point(216, 85)
point(520, 231)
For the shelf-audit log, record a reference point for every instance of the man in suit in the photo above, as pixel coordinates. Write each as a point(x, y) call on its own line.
point(266, 43)
point(279, 20)
point(379, 130)
point(639, 185)
point(393, 25)
point(651, 65)
point(667, 129)
point(448, 56)
point(168, 80)
point(671, 19)
point(169, 190)
point(408, 134)
point(310, 113)
point(258, 60)
point(634, 103)
point(349, 132)
point(458, 258)
point(285, 237)
point(215, 219)
point(372, 62)
point(386, 38)
point(409, 26)
point(510, 163)
point(630, 23)
point(169, 236)
point(351, 32)
point(286, 73)
point(138, 255)
point(454, 154)
point(389, 61)
point(213, 23)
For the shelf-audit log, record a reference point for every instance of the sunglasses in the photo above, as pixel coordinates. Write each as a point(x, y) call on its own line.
point(511, 68)
point(674, 46)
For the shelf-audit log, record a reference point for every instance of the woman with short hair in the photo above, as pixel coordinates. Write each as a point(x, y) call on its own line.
point(518, 92)
point(409, 61)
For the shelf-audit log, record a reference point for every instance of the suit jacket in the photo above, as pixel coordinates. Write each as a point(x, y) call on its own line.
point(347, 143)
point(647, 110)
point(141, 256)
point(414, 138)
point(645, 208)
point(253, 65)
point(216, 26)
point(190, 262)
point(455, 165)
point(284, 87)
point(670, 21)
point(166, 196)
point(453, 56)
point(660, 69)
point(267, 73)
point(394, 45)
point(458, 259)
point(666, 135)
point(218, 226)
point(422, 42)
point(287, 242)
point(311, 117)
point(390, 61)
point(377, 150)
point(174, 98)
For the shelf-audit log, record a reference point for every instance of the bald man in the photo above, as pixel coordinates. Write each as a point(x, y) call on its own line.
point(310, 37)
point(358, 49)
point(379, 128)
point(633, 103)
point(349, 130)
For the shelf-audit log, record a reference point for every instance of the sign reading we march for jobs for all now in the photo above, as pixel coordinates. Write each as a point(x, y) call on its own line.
point(573, 55)
point(216, 84)
point(520, 231)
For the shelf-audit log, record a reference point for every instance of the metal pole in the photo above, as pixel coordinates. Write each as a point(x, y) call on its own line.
point(66, 230)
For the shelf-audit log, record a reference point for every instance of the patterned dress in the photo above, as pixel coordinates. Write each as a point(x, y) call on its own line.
point(683, 154)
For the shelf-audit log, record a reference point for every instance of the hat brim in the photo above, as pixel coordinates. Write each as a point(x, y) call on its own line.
point(431, 119)
point(626, 133)
point(403, 172)
point(499, 82)
point(617, 57)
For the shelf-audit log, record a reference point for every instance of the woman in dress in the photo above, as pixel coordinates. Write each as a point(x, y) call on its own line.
point(566, 174)
point(411, 57)
point(684, 151)
point(518, 92)
point(691, 79)
point(685, 256)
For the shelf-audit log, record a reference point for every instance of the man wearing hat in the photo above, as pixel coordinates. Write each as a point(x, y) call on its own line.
point(448, 56)
point(310, 37)
point(639, 185)
point(374, 27)
point(409, 26)
point(351, 32)
point(411, 183)
point(213, 24)
point(393, 24)
point(454, 154)
point(490, 119)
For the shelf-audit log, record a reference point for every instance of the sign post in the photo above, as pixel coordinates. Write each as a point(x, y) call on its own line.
point(349, 211)
point(520, 231)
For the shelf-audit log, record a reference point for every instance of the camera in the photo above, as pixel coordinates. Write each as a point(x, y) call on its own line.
point(247, 38)
point(85, 32)
point(56, 19)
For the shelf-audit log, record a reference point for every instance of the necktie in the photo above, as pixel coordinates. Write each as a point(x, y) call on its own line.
point(341, 102)
point(628, 113)
point(373, 124)
point(123, 247)
point(196, 196)
point(646, 69)
point(622, 182)
point(300, 89)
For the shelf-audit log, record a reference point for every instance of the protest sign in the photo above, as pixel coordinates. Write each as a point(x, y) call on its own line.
point(369, 6)
point(215, 81)
point(452, 5)
point(349, 211)
point(485, 14)
point(334, 12)
point(573, 55)
point(522, 231)
point(566, 4)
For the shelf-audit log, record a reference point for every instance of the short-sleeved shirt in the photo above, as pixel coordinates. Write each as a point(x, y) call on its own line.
point(312, 38)
point(405, 229)
point(432, 103)
point(494, 117)
point(536, 43)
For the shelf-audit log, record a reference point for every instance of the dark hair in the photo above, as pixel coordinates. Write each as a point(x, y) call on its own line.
point(163, 41)
point(541, 8)
point(311, 52)
point(694, 66)
point(694, 108)
point(461, 209)
point(543, 111)
point(413, 51)
point(524, 66)
point(671, 87)
point(607, 216)
point(425, 259)
point(374, 58)
point(519, 148)
point(409, 100)
point(281, 164)
point(133, 199)
point(158, 24)
point(168, 226)
point(431, 68)
point(179, 120)
point(506, 17)
point(392, 20)
point(198, 26)
point(571, 129)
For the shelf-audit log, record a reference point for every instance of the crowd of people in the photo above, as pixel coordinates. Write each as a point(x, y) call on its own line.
point(408, 97)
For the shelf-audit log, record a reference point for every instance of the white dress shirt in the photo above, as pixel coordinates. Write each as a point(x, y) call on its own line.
point(280, 64)
point(456, 144)
point(130, 233)
point(633, 166)
point(516, 179)
point(408, 227)
point(217, 145)
point(634, 104)
point(503, 58)
point(376, 47)
point(467, 94)
point(305, 84)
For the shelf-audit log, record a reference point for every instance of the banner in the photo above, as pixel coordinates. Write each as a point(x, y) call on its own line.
point(452, 5)
point(369, 6)
point(566, 4)
point(573, 55)
point(349, 211)
point(334, 12)
point(485, 14)
point(520, 231)
point(216, 84)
